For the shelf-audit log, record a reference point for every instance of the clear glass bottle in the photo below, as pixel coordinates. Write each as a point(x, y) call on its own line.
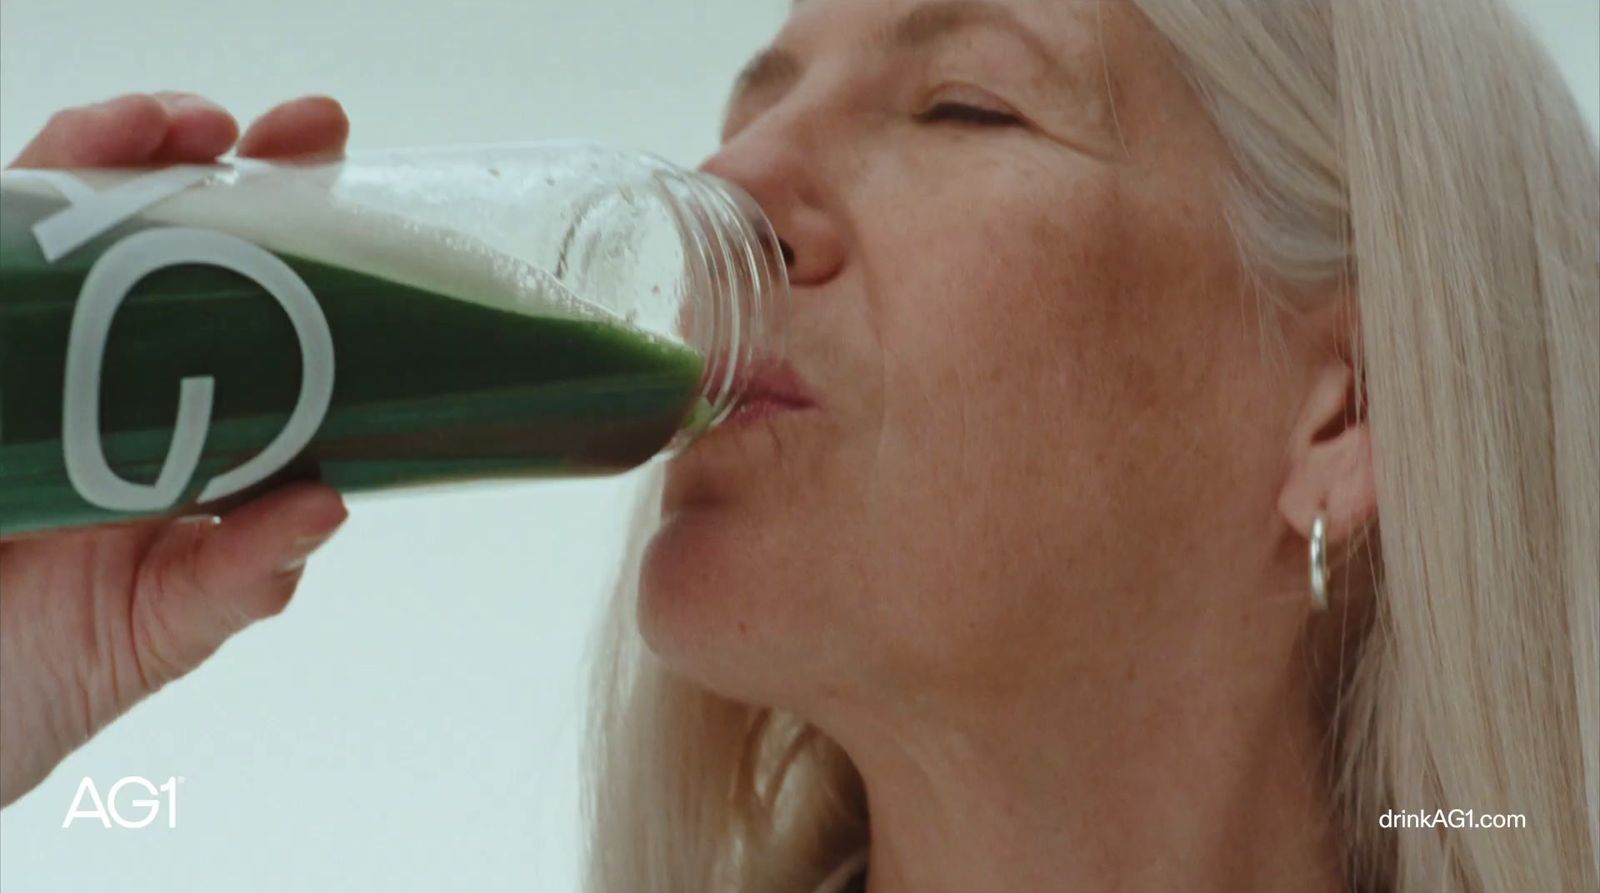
point(178, 339)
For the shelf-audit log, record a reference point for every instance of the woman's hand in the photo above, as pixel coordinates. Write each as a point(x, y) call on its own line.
point(93, 620)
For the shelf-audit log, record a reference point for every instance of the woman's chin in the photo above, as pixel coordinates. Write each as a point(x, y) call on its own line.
point(706, 605)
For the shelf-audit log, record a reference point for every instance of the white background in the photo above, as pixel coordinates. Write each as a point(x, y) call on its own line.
point(411, 722)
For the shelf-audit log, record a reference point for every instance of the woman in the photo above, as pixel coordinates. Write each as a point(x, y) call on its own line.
point(1189, 458)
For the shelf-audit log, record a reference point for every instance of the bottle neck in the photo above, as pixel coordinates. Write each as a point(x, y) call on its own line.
point(737, 317)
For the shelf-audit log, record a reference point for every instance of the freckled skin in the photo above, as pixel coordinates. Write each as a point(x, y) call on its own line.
point(1037, 561)
point(1022, 353)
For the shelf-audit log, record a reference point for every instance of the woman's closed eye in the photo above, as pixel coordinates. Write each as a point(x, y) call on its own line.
point(958, 103)
point(963, 113)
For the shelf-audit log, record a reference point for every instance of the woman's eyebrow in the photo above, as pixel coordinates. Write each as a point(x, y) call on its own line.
point(775, 68)
point(931, 22)
point(771, 68)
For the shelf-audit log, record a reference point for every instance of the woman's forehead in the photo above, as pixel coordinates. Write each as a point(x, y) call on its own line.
point(1062, 25)
point(1069, 38)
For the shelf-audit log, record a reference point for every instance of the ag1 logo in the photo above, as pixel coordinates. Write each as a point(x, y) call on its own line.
point(88, 214)
point(110, 809)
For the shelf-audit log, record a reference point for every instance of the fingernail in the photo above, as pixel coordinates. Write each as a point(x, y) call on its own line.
point(302, 549)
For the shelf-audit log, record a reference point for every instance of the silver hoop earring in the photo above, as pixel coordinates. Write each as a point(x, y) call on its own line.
point(1319, 563)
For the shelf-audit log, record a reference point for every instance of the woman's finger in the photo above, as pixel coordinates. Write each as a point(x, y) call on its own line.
point(197, 128)
point(201, 582)
point(310, 125)
point(121, 131)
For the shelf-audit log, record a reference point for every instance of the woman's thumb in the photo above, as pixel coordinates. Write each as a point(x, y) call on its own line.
point(201, 581)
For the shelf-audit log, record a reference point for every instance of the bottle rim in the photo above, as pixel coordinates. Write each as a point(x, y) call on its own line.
point(734, 268)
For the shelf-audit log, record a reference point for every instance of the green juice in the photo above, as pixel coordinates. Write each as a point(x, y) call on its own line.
point(427, 388)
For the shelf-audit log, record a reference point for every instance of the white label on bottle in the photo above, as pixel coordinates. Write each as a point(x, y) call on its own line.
point(109, 280)
point(91, 213)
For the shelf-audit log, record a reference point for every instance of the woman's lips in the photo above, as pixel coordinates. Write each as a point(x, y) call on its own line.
point(770, 388)
point(759, 408)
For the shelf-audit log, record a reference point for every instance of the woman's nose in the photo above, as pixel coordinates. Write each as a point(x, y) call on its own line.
point(789, 189)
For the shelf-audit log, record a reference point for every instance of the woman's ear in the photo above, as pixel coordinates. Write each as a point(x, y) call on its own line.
point(1331, 467)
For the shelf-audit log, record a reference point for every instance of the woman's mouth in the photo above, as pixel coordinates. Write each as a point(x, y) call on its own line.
point(770, 389)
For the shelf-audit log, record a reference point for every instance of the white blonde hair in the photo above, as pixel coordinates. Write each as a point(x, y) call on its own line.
point(1426, 156)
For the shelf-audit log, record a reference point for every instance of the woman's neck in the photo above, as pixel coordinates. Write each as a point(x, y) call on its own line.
point(1172, 776)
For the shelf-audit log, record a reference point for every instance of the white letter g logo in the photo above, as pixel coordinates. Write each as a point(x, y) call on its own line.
point(104, 289)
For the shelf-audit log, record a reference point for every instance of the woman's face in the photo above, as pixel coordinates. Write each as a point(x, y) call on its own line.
point(1019, 314)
